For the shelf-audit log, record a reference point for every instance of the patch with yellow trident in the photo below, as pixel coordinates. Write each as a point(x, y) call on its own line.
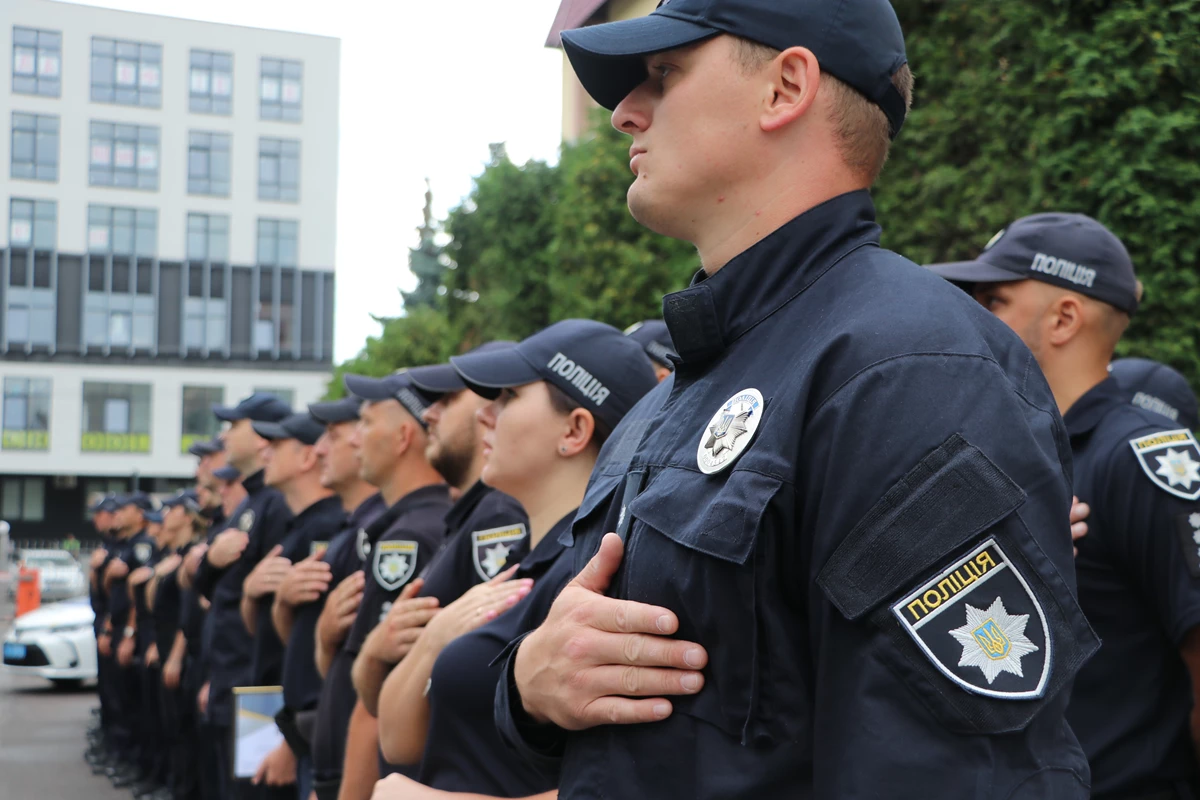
point(982, 626)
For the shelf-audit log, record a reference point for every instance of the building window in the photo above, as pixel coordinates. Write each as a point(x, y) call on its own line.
point(119, 305)
point(211, 83)
point(208, 163)
point(204, 307)
point(208, 238)
point(26, 414)
point(288, 396)
point(33, 223)
point(123, 155)
point(34, 147)
point(279, 169)
point(277, 243)
point(198, 419)
point(24, 499)
point(126, 73)
point(122, 231)
point(279, 91)
point(37, 62)
point(276, 256)
point(116, 418)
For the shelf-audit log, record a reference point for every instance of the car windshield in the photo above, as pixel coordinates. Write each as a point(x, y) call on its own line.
point(43, 561)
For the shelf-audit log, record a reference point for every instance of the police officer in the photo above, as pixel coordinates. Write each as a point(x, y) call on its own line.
point(391, 442)
point(153, 755)
point(256, 525)
point(1066, 285)
point(134, 550)
point(331, 614)
point(293, 467)
point(655, 339)
point(100, 754)
point(1158, 388)
point(543, 430)
point(855, 484)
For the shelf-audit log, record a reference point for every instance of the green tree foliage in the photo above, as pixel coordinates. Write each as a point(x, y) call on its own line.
point(424, 260)
point(1038, 105)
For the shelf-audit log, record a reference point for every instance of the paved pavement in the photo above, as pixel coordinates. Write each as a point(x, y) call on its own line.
point(42, 737)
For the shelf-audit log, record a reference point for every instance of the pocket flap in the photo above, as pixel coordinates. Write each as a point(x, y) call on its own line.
point(949, 498)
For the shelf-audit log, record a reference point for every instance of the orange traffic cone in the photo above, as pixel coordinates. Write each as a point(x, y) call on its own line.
point(29, 591)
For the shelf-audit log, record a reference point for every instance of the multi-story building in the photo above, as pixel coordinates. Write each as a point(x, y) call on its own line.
point(577, 105)
point(169, 206)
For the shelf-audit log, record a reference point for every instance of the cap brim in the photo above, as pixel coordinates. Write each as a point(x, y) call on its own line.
point(436, 380)
point(226, 413)
point(271, 431)
point(226, 474)
point(335, 412)
point(486, 374)
point(974, 272)
point(608, 58)
point(366, 388)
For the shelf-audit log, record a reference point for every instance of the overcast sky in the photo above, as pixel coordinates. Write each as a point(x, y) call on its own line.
point(426, 86)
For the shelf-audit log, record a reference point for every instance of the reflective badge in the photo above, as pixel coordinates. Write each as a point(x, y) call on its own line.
point(395, 562)
point(1172, 460)
point(981, 626)
point(363, 543)
point(1188, 526)
point(142, 552)
point(246, 520)
point(491, 549)
point(730, 431)
point(318, 549)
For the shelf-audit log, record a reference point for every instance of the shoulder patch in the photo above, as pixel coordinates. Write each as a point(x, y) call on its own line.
point(246, 520)
point(1171, 460)
point(1188, 526)
point(490, 549)
point(142, 552)
point(982, 626)
point(395, 562)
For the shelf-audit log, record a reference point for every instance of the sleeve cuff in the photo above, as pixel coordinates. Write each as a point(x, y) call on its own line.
point(540, 744)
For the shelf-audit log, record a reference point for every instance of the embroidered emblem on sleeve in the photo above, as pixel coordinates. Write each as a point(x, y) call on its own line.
point(1172, 461)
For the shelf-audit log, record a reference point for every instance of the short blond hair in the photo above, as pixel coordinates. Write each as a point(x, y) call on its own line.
point(861, 127)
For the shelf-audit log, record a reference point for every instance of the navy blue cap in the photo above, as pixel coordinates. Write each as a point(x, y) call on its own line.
point(155, 517)
point(227, 473)
point(439, 379)
point(595, 364)
point(1071, 251)
point(105, 503)
point(344, 410)
point(859, 43)
point(1158, 388)
point(188, 498)
point(258, 407)
point(655, 339)
point(397, 386)
point(139, 499)
point(301, 427)
point(206, 447)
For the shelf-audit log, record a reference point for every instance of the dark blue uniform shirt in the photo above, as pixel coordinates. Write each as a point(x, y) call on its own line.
point(317, 522)
point(97, 594)
point(854, 493)
point(463, 749)
point(1139, 582)
point(136, 551)
point(227, 645)
point(145, 617)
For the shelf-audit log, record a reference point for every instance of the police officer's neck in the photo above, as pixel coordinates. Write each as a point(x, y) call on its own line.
point(408, 475)
point(743, 222)
point(1070, 378)
point(354, 493)
point(556, 493)
point(303, 490)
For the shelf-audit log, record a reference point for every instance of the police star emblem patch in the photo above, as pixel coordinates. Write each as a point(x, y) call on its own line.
point(395, 562)
point(1172, 460)
point(730, 431)
point(142, 552)
point(492, 547)
point(982, 626)
point(362, 543)
point(246, 520)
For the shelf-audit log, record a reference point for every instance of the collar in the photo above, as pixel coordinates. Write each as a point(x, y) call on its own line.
point(466, 504)
point(715, 311)
point(427, 495)
point(366, 509)
point(326, 506)
point(547, 550)
point(1088, 410)
point(255, 482)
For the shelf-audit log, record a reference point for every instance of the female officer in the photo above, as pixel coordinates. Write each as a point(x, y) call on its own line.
point(556, 396)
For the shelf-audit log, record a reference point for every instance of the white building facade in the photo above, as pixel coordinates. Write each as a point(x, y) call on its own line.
point(169, 207)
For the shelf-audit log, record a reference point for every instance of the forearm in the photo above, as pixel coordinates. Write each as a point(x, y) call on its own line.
point(248, 607)
point(360, 771)
point(179, 647)
point(323, 655)
point(283, 615)
point(151, 591)
point(206, 578)
point(404, 707)
point(368, 675)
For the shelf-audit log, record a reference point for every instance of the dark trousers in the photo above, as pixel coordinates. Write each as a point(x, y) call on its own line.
point(181, 741)
point(125, 698)
point(151, 751)
point(213, 741)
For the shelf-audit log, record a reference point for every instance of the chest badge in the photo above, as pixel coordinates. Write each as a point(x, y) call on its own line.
point(246, 520)
point(1172, 461)
point(730, 431)
point(142, 552)
point(362, 544)
point(492, 548)
point(395, 562)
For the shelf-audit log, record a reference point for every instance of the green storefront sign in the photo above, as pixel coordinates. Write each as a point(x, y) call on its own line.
point(115, 443)
point(26, 440)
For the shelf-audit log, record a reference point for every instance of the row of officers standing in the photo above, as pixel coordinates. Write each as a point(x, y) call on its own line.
point(830, 555)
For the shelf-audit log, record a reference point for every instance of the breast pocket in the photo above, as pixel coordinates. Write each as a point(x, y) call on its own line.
point(692, 548)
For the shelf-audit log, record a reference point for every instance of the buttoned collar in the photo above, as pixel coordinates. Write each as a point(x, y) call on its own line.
point(366, 509)
point(326, 506)
point(426, 495)
point(547, 550)
point(254, 482)
point(715, 311)
point(1086, 413)
point(466, 504)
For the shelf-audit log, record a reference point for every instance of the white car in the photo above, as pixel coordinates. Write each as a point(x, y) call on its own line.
point(60, 576)
point(55, 642)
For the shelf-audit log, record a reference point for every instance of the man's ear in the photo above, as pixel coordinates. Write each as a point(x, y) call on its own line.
point(794, 77)
point(1066, 319)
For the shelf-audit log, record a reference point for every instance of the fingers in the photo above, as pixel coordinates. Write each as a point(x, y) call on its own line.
point(640, 650)
point(624, 711)
point(1079, 530)
point(505, 575)
point(410, 590)
point(627, 616)
point(414, 619)
point(599, 572)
